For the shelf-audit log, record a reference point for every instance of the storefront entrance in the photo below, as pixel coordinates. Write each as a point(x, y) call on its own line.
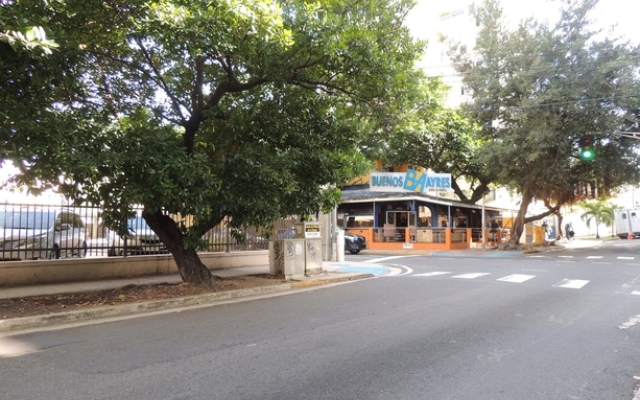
point(396, 225)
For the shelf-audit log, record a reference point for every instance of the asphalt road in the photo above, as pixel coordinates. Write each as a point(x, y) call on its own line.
point(554, 325)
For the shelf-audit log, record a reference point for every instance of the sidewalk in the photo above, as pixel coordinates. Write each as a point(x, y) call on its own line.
point(333, 272)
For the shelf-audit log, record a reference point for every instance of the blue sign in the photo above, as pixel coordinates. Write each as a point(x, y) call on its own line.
point(411, 181)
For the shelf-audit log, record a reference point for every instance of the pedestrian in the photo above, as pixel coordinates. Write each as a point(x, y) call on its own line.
point(568, 231)
point(494, 230)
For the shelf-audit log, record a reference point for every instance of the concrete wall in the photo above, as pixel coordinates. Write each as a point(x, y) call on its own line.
point(15, 273)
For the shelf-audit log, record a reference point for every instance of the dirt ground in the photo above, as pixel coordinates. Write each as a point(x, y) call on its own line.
point(42, 305)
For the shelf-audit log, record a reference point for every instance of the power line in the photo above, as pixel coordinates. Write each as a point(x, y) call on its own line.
point(627, 58)
point(531, 72)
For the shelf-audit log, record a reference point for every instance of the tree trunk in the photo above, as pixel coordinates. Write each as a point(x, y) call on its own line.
point(191, 269)
point(518, 224)
point(561, 231)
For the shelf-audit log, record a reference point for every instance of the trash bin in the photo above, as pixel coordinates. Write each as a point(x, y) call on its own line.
point(538, 235)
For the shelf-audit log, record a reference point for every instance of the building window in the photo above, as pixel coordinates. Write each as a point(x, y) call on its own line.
point(360, 221)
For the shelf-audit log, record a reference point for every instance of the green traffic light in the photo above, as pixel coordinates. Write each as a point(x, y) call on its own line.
point(586, 148)
point(587, 154)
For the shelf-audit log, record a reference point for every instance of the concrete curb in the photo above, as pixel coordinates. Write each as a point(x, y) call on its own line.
point(16, 324)
point(320, 282)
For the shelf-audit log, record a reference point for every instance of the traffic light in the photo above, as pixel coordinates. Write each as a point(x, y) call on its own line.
point(587, 151)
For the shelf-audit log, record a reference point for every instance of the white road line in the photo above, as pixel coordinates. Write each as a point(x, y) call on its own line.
point(536, 256)
point(377, 260)
point(472, 275)
point(633, 321)
point(398, 270)
point(516, 278)
point(636, 292)
point(626, 258)
point(433, 273)
point(565, 256)
point(571, 283)
point(594, 257)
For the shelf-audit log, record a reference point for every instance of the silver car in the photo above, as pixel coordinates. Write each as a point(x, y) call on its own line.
point(28, 234)
point(141, 239)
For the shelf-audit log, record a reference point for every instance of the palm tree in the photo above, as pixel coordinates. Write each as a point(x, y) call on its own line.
point(601, 211)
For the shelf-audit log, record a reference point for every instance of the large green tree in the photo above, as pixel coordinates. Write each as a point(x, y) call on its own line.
point(536, 90)
point(439, 138)
point(249, 109)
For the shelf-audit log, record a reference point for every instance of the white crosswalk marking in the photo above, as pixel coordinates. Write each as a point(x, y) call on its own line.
point(436, 273)
point(516, 278)
point(472, 275)
point(594, 257)
point(571, 283)
point(377, 260)
point(626, 258)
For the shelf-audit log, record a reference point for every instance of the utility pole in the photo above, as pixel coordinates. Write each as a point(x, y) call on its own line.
point(484, 225)
point(632, 135)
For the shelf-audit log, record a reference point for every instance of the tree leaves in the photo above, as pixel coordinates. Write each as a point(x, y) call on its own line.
point(538, 89)
point(244, 108)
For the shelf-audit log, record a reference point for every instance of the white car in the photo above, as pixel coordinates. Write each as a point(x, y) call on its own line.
point(141, 239)
point(28, 233)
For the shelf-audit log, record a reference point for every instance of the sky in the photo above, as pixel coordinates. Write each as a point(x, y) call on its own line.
point(624, 13)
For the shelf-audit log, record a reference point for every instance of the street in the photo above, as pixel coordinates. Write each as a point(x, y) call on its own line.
point(556, 325)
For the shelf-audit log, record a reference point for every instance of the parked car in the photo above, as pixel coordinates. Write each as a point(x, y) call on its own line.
point(141, 239)
point(34, 233)
point(288, 233)
point(353, 242)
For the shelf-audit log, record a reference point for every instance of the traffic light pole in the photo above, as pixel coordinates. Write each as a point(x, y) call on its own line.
point(632, 135)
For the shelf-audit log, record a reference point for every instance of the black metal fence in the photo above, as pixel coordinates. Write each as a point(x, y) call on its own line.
point(47, 231)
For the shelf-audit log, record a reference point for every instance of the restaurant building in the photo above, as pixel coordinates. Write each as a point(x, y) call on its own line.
point(393, 212)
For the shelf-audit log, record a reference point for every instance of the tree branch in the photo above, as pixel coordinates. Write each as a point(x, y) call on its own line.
point(550, 211)
point(147, 56)
point(196, 95)
point(193, 124)
point(163, 83)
